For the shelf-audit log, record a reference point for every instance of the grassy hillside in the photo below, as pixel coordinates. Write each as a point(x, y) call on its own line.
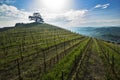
point(46, 52)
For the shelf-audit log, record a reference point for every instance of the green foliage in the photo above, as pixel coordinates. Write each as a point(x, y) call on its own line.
point(65, 64)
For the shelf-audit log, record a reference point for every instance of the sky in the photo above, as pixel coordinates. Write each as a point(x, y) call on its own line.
point(63, 13)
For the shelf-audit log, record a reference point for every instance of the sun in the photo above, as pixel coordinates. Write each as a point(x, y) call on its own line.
point(54, 5)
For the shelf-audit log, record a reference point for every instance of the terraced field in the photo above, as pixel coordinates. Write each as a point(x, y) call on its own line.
point(46, 52)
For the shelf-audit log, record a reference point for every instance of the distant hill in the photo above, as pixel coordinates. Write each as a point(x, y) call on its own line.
point(106, 33)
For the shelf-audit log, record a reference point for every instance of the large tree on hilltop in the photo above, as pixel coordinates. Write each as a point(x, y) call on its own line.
point(37, 18)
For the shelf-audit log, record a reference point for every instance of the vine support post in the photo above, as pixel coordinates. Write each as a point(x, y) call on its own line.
point(64, 46)
point(62, 75)
point(19, 72)
point(44, 56)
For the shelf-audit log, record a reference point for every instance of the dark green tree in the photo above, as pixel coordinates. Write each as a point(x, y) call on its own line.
point(37, 18)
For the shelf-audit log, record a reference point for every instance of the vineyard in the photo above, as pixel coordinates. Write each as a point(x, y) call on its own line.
point(46, 52)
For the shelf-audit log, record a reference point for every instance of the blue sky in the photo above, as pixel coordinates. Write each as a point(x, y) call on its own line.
point(64, 13)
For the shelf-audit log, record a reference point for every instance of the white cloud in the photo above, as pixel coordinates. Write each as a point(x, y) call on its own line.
point(12, 15)
point(11, 11)
point(71, 18)
point(64, 19)
point(9, 15)
point(102, 6)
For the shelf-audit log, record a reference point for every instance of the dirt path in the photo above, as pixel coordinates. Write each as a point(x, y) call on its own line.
point(95, 68)
point(92, 67)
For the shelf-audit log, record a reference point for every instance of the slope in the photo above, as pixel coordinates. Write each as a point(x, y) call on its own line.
point(27, 47)
point(46, 52)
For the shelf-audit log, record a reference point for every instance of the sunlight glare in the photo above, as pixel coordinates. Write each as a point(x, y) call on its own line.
point(55, 4)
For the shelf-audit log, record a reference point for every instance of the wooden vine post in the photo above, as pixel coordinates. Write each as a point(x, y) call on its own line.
point(62, 76)
point(19, 72)
point(44, 56)
point(64, 47)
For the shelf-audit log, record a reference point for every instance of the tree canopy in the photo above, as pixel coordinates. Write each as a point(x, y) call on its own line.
point(37, 18)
